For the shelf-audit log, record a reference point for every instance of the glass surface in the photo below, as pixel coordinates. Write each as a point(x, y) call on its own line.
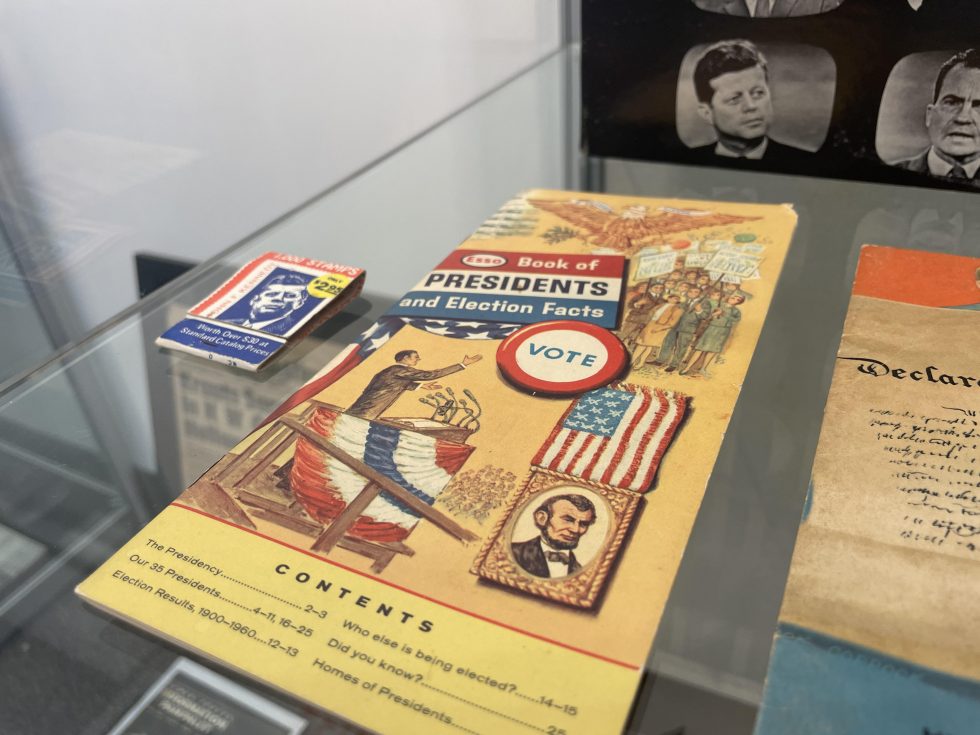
point(96, 442)
point(161, 128)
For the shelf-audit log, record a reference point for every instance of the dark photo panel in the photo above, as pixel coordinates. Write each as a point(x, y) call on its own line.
point(770, 101)
point(763, 9)
point(929, 118)
point(819, 106)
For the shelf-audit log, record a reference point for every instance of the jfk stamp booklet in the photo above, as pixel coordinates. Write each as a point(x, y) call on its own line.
point(266, 307)
point(471, 520)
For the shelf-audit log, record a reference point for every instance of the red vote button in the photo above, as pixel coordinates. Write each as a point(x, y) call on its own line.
point(561, 357)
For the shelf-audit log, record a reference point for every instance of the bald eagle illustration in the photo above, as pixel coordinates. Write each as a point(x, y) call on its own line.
point(635, 225)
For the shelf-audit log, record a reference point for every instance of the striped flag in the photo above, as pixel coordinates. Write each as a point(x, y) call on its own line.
point(323, 485)
point(616, 435)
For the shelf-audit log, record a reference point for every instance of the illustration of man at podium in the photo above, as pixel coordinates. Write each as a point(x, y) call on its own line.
point(388, 385)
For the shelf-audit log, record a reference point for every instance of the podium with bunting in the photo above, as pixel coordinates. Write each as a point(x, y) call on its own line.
point(358, 484)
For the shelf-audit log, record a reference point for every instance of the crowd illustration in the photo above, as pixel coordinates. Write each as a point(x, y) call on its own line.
point(681, 321)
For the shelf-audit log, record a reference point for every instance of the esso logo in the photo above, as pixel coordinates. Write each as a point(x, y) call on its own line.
point(484, 260)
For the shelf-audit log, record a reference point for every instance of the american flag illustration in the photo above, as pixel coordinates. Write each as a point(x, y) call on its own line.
point(616, 435)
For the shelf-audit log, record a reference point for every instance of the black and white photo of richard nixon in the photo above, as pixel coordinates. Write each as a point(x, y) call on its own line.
point(952, 121)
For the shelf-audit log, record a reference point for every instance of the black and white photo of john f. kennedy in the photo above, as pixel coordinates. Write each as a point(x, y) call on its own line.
point(733, 94)
point(943, 127)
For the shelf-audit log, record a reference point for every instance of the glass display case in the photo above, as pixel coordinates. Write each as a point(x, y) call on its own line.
point(97, 439)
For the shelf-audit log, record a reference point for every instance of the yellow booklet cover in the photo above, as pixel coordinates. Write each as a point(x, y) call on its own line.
point(471, 520)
